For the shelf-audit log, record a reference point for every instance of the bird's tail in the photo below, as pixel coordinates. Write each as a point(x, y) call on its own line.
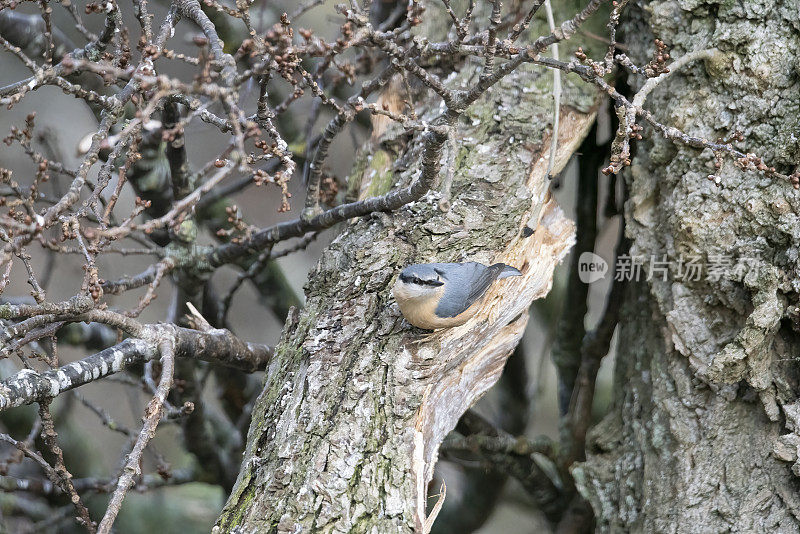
point(505, 270)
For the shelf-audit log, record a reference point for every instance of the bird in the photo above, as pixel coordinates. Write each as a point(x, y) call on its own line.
point(443, 295)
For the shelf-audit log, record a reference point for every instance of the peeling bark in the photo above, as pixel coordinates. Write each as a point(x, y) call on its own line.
point(346, 431)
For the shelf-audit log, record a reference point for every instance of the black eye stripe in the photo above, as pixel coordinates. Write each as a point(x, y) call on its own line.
point(411, 279)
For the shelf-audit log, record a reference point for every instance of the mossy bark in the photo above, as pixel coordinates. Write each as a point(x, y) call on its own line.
point(345, 433)
point(702, 436)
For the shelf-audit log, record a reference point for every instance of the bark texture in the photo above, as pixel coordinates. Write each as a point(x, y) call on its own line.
point(346, 431)
point(703, 433)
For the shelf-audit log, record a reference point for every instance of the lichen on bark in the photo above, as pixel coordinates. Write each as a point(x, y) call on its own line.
point(355, 402)
point(708, 379)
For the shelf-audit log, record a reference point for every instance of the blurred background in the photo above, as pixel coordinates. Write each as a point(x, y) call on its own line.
point(92, 450)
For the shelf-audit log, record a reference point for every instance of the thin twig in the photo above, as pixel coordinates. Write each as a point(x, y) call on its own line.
point(152, 416)
point(556, 93)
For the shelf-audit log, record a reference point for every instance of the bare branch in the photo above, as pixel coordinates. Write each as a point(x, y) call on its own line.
point(220, 346)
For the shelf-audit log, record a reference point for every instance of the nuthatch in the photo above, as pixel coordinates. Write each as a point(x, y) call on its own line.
point(441, 295)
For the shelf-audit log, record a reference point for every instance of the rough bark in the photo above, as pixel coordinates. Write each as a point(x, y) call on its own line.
point(702, 435)
point(346, 431)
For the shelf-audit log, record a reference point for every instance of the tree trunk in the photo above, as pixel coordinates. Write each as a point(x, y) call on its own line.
point(703, 433)
point(346, 431)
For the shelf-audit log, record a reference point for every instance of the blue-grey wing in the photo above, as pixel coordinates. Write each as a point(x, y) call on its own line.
point(465, 286)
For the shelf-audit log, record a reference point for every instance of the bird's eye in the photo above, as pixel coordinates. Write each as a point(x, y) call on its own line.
point(408, 278)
